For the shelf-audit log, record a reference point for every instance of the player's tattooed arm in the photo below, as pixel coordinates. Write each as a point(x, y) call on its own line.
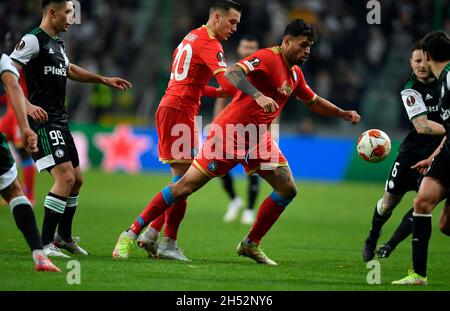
point(427, 127)
point(237, 77)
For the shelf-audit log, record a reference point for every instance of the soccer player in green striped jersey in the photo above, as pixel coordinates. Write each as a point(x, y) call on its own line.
point(42, 56)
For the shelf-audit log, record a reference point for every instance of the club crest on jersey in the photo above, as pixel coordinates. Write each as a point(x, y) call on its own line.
point(255, 61)
point(445, 114)
point(410, 101)
point(285, 89)
point(221, 59)
point(212, 166)
point(20, 45)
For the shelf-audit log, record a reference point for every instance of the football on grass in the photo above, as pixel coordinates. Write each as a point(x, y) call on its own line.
point(374, 145)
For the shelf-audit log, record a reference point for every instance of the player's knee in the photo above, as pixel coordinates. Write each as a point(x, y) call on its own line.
point(290, 191)
point(182, 189)
point(13, 191)
point(445, 228)
point(422, 205)
point(444, 224)
point(78, 183)
point(67, 179)
point(386, 206)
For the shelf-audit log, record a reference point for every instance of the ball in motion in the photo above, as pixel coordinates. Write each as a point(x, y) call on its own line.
point(373, 145)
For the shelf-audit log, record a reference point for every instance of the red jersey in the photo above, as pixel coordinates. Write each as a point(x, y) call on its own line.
point(198, 57)
point(268, 71)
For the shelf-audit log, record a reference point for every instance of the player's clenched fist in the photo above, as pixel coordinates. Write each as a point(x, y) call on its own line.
point(352, 116)
point(29, 140)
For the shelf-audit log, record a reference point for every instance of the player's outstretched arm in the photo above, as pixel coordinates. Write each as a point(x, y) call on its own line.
point(79, 74)
point(428, 127)
point(236, 76)
point(18, 102)
point(326, 108)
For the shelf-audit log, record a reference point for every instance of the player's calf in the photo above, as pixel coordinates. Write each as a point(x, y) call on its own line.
point(444, 220)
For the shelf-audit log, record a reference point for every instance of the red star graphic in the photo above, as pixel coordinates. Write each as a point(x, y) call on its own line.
point(122, 149)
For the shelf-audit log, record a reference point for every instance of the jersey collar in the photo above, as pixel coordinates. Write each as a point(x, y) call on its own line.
point(210, 32)
point(444, 71)
point(56, 38)
point(277, 50)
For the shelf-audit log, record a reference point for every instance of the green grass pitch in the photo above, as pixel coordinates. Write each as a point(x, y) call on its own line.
point(317, 241)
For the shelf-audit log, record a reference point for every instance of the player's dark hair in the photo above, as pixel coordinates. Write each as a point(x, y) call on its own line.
point(298, 27)
point(46, 3)
point(249, 38)
point(437, 44)
point(417, 46)
point(225, 5)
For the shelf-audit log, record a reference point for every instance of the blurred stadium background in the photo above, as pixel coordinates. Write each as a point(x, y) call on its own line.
point(318, 243)
point(356, 65)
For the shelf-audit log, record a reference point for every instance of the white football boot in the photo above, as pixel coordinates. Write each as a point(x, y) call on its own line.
point(234, 208)
point(51, 250)
point(168, 249)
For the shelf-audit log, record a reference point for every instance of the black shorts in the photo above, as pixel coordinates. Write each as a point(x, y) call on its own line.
point(8, 171)
point(56, 146)
point(440, 168)
point(402, 178)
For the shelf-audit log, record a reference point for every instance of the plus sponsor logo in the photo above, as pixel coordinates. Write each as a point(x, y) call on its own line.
point(61, 71)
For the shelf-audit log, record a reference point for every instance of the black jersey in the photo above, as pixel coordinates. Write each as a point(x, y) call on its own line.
point(45, 67)
point(444, 102)
point(418, 99)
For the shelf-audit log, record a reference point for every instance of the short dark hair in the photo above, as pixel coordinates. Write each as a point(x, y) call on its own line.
point(225, 5)
point(298, 27)
point(46, 3)
point(437, 44)
point(417, 46)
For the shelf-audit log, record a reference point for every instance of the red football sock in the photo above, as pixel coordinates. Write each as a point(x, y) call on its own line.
point(174, 216)
point(268, 214)
point(158, 223)
point(155, 208)
point(29, 174)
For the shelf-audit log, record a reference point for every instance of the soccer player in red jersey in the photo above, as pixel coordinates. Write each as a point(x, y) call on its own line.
point(273, 75)
point(196, 60)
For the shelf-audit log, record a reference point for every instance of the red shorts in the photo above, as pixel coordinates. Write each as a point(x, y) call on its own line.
point(9, 127)
point(178, 136)
point(218, 156)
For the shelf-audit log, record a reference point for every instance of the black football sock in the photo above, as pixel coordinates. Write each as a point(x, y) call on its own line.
point(377, 223)
point(54, 208)
point(65, 224)
point(228, 185)
point(26, 222)
point(403, 230)
point(253, 189)
point(421, 237)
